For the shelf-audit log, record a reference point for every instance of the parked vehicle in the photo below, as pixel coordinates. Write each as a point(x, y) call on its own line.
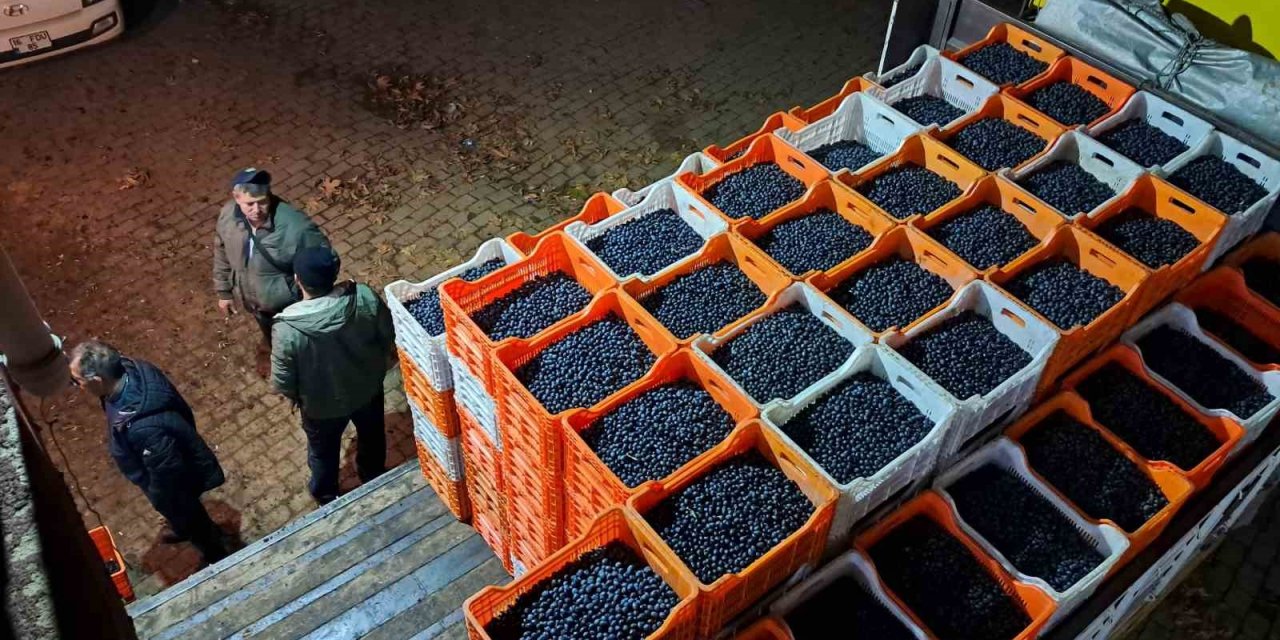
point(34, 29)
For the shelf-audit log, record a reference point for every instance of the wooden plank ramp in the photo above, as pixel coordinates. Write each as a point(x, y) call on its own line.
point(383, 562)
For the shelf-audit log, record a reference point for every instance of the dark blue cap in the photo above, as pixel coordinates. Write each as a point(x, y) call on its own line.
point(317, 267)
point(251, 176)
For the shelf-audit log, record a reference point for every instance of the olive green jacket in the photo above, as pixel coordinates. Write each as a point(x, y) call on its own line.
point(329, 354)
point(261, 280)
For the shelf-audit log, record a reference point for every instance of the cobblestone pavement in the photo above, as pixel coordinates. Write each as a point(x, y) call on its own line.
point(1233, 595)
point(116, 161)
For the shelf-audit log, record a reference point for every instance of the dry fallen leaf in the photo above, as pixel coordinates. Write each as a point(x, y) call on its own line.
point(135, 177)
point(329, 186)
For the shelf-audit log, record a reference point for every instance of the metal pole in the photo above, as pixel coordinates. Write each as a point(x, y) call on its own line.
point(31, 353)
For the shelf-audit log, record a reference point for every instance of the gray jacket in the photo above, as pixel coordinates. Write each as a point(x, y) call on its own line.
point(329, 354)
point(263, 281)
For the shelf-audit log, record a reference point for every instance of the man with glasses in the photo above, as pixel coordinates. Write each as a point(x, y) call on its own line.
point(255, 240)
point(151, 434)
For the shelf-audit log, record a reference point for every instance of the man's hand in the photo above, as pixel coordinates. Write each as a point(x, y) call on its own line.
point(227, 307)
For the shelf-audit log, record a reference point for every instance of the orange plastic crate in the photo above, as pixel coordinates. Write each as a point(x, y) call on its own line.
point(459, 298)
point(1039, 219)
point(614, 525)
point(105, 543)
point(824, 195)
point(482, 472)
point(1004, 107)
point(1228, 432)
point(1162, 200)
point(531, 435)
point(909, 244)
point(766, 629)
point(438, 406)
point(1091, 253)
point(766, 148)
point(1172, 483)
point(1265, 246)
point(1035, 603)
point(1105, 86)
point(598, 207)
point(1223, 290)
point(589, 485)
point(920, 150)
point(829, 106)
point(725, 247)
point(779, 120)
point(452, 494)
point(733, 593)
point(1019, 39)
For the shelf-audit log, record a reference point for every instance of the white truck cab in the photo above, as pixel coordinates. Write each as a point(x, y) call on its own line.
point(33, 29)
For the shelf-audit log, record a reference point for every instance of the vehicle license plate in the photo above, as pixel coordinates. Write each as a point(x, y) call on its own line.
point(31, 42)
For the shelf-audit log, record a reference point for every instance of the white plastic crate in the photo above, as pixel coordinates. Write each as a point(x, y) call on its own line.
point(861, 495)
point(1109, 167)
point(1180, 317)
point(815, 303)
point(919, 56)
point(856, 566)
point(1013, 396)
point(1261, 168)
point(861, 118)
point(428, 351)
point(470, 394)
point(1161, 114)
point(1107, 539)
point(446, 451)
point(666, 195)
point(941, 78)
point(697, 162)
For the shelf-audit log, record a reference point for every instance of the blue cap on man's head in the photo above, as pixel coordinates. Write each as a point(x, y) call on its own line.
point(252, 176)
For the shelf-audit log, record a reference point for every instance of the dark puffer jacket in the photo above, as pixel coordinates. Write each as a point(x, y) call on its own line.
point(152, 437)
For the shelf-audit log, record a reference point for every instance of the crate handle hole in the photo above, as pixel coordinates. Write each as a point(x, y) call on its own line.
point(1013, 317)
point(694, 211)
point(932, 257)
point(948, 161)
point(799, 165)
point(1181, 205)
point(906, 383)
point(964, 81)
point(1092, 79)
point(887, 119)
point(1102, 257)
point(1172, 118)
point(1032, 45)
point(1249, 160)
point(826, 315)
point(712, 383)
point(1028, 120)
point(1103, 159)
point(1023, 203)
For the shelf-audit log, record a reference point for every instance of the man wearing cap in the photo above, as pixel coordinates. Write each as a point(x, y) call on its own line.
point(329, 354)
point(256, 238)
